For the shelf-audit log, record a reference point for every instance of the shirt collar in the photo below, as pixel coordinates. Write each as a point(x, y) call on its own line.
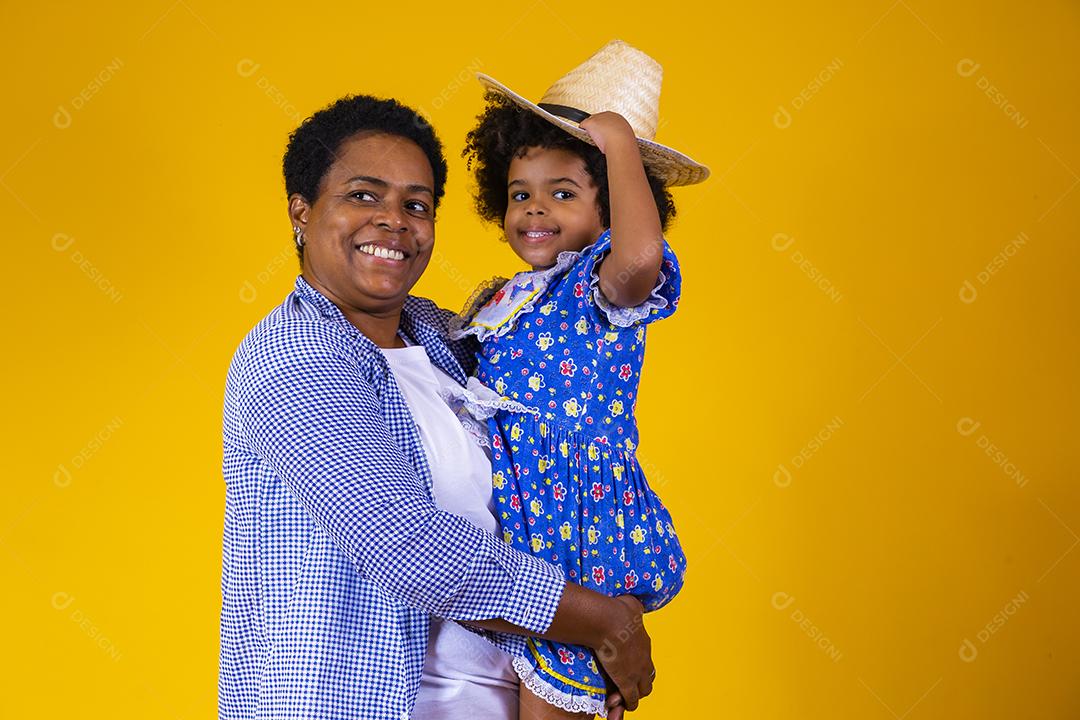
point(323, 304)
point(433, 338)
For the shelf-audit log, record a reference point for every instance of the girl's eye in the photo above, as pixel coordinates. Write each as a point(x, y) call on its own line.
point(562, 195)
point(416, 206)
point(519, 196)
point(359, 193)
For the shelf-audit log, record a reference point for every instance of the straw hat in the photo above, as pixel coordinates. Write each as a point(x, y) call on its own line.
point(622, 79)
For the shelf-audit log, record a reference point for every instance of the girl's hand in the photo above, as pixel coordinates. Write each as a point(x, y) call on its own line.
point(615, 707)
point(608, 129)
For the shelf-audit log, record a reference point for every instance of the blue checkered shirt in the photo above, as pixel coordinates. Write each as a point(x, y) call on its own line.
point(335, 555)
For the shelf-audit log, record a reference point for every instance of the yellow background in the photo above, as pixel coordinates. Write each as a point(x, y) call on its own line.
point(909, 564)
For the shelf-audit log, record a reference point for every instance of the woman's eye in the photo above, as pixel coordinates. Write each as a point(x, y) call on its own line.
point(519, 196)
point(416, 206)
point(562, 195)
point(362, 195)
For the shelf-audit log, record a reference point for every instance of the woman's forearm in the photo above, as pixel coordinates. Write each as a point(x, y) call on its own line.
point(584, 617)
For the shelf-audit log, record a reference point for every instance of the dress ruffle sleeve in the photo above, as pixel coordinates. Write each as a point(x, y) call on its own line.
point(475, 403)
point(661, 303)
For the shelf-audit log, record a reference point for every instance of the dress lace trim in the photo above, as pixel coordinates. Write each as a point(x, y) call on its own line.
point(475, 403)
point(479, 297)
point(536, 684)
point(462, 325)
point(625, 316)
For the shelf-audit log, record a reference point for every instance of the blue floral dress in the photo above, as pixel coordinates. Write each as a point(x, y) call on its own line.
point(566, 482)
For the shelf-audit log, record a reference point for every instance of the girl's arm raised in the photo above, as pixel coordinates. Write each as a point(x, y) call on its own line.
point(628, 274)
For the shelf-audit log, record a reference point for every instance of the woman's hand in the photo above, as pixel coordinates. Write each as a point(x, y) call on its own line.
point(626, 656)
point(609, 129)
point(613, 627)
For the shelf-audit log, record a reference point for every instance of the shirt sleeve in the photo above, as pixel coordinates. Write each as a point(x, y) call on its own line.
point(310, 415)
point(661, 303)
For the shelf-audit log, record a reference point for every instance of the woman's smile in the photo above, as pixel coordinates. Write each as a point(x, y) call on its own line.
point(383, 252)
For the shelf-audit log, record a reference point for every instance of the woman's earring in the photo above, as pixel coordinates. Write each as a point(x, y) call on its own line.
point(299, 236)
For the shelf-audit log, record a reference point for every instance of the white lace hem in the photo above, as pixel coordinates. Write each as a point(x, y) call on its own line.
point(539, 687)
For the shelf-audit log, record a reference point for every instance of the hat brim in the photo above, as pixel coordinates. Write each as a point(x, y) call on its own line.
point(671, 166)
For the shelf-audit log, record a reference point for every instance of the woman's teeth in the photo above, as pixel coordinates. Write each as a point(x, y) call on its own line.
point(537, 234)
point(387, 253)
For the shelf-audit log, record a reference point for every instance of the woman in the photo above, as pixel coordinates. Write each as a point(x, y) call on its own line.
point(340, 466)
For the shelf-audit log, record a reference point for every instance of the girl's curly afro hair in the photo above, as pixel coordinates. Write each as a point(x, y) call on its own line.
point(504, 131)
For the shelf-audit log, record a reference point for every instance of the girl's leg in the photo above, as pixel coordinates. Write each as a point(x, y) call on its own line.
point(533, 708)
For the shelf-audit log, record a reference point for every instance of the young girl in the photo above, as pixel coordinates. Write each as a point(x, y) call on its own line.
point(581, 198)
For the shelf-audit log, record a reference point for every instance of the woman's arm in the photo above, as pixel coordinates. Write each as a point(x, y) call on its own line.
point(628, 274)
point(306, 411)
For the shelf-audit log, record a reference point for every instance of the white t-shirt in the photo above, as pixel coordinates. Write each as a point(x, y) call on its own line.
point(464, 675)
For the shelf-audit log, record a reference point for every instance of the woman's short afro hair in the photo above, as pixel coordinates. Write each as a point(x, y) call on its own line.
point(314, 145)
point(504, 131)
